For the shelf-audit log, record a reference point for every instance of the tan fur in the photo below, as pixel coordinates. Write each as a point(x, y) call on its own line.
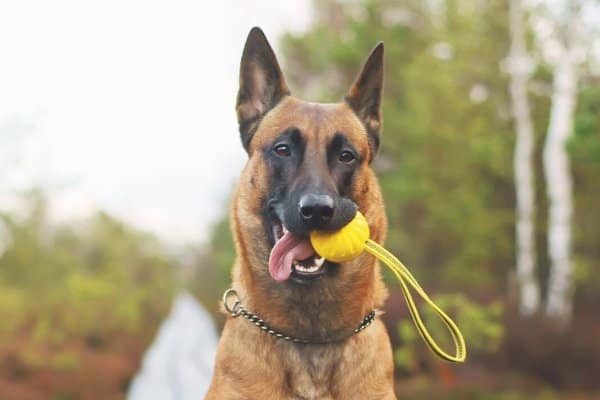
point(251, 364)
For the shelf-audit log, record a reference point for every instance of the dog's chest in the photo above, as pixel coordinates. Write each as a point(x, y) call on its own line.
point(311, 372)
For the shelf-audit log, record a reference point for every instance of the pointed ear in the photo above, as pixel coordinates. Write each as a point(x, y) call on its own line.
point(365, 94)
point(262, 84)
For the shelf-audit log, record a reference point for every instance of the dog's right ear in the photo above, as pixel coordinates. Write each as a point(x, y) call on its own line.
point(262, 84)
point(365, 94)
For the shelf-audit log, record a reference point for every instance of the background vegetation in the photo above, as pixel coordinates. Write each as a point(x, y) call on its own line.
point(78, 304)
point(446, 170)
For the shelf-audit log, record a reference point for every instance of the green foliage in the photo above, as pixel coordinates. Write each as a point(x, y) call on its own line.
point(13, 302)
point(481, 326)
point(213, 268)
point(65, 283)
point(585, 150)
point(445, 164)
point(585, 145)
point(65, 361)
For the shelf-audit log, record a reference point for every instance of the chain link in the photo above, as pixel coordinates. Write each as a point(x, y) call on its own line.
point(237, 309)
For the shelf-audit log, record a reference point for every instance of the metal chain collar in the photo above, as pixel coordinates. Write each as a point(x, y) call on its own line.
point(237, 309)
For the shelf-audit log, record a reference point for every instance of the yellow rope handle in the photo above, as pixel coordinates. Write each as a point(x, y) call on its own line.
point(404, 276)
point(350, 241)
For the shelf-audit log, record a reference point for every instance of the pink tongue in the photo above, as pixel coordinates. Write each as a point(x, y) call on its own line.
point(287, 249)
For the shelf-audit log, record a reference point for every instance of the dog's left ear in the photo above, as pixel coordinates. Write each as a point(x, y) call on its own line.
point(365, 95)
point(262, 84)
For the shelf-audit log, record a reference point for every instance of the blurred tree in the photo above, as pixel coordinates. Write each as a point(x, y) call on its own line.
point(213, 268)
point(89, 281)
point(584, 149)
point(520, 66)
point(557, 171)
point(445, 170)
point(443, 164)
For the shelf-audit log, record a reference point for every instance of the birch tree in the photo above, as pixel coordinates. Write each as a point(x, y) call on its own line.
point(559, 185)
point(519, 67)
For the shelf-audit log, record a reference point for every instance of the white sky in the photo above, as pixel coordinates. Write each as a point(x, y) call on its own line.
point(128, 105)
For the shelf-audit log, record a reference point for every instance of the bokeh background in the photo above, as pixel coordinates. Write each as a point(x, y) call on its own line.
point(119, 150)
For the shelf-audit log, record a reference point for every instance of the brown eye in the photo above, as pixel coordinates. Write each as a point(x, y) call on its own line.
point(282, 150)
point(347, 157)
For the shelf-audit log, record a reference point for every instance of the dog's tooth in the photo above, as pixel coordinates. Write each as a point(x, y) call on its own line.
point(315, 266)
point(284, 229)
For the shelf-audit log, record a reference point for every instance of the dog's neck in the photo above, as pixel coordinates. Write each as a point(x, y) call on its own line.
point(321, 310)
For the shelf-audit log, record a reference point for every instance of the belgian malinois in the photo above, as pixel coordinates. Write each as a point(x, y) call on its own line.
point(303, 328)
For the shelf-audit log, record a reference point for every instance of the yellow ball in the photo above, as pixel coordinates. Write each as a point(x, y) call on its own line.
point(345, 244)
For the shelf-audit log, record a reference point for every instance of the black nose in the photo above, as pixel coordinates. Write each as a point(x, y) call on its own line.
point(315, 209)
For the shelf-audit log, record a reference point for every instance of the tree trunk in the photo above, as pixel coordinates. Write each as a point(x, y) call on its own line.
point(559, 187)
point(558, 175)
point(519, 69)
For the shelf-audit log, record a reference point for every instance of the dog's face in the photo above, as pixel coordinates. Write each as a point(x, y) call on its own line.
point(308, 168)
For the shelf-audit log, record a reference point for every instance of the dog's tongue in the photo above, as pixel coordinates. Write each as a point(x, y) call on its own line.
point(287, 249)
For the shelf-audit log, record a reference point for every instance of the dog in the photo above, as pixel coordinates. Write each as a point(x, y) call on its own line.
point(303, 327)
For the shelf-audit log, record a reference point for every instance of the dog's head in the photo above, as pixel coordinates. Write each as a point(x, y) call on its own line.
point(308, 168)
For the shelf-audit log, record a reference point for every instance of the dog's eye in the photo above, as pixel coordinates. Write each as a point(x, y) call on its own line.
point(347, 157)
point(282, 150)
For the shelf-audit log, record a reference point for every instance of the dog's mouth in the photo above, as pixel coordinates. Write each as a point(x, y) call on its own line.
point(293, 255)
